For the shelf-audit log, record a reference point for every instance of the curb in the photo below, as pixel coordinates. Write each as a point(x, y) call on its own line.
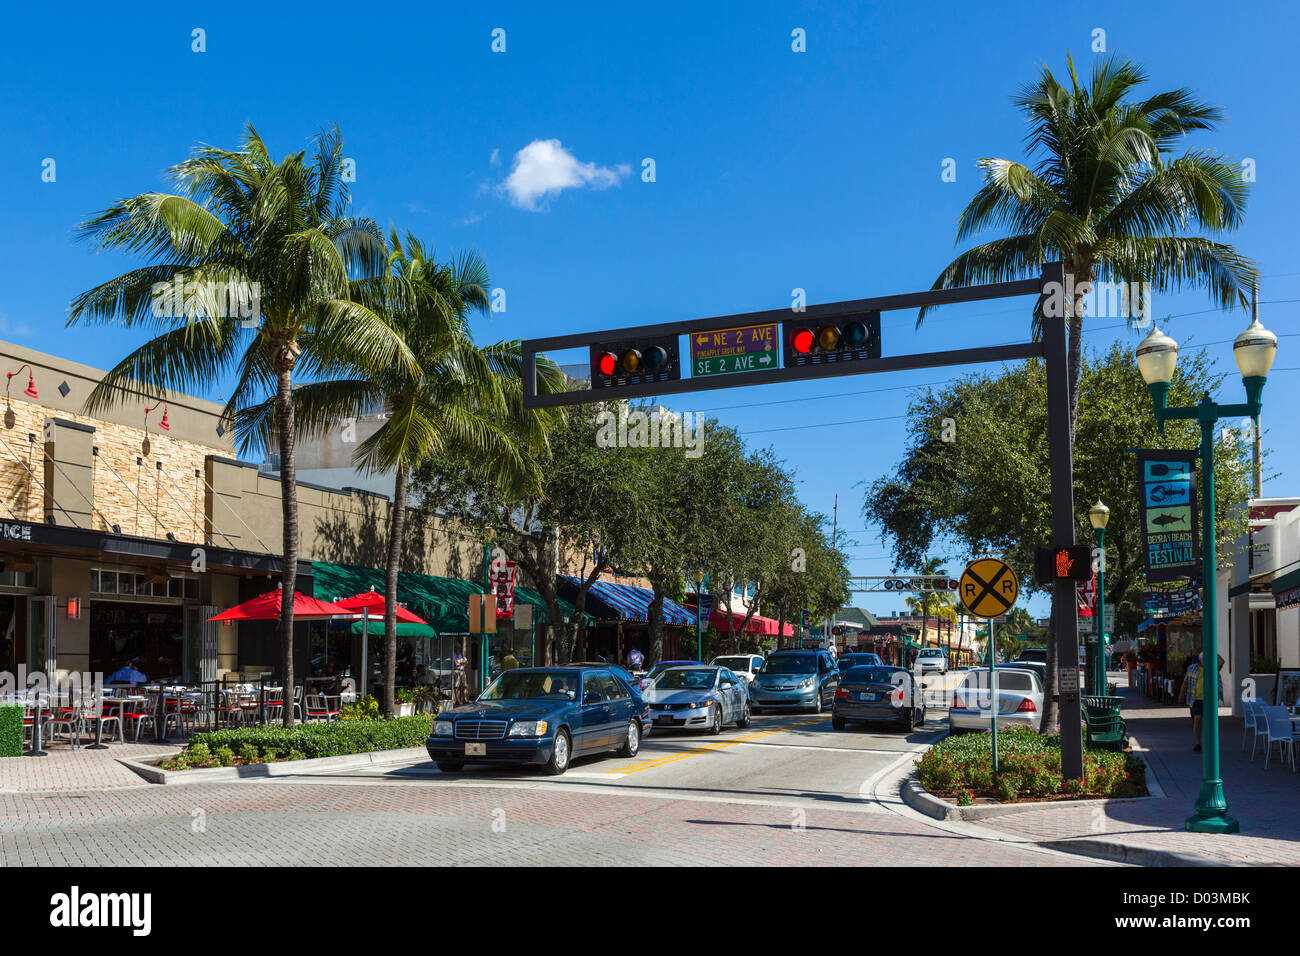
point(920, 799)
point(1135, 855)
point(285, 768)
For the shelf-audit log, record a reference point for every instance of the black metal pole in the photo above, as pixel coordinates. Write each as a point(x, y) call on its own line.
point(35, 749)
point(99, 728)
point(1061, 459)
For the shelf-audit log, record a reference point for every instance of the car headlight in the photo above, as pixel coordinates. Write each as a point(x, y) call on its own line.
point(701, 704)
point(528, 728)
point(443, 728)
point(806, 684)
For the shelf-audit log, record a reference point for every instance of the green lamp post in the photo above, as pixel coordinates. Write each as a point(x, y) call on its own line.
point(1157, 354)
point(1099, 517)
point(700, 577)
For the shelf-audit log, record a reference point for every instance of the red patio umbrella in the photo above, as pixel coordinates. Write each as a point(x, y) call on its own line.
point(372, 603)
point(266, 607)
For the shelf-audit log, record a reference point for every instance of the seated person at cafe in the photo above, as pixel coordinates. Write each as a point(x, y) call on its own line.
point(127, 674)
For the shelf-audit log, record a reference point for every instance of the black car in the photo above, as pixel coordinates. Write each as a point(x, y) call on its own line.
point(857, 659)
point(878, 694)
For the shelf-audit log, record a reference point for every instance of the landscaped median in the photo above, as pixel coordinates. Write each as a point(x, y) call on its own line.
point(277, 751)
point(1029, 769)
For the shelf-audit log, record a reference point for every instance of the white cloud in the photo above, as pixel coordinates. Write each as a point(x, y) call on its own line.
point(544, 168)
point(495, 158)
point(17, 329)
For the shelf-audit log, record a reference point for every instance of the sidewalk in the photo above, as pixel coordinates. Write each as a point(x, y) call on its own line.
point(1265, 802)
point(76, 768)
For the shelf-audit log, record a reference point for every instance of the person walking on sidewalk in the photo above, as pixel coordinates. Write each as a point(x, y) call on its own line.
point(1193, 691)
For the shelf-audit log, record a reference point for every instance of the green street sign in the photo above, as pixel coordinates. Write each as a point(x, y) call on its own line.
point(750, 348)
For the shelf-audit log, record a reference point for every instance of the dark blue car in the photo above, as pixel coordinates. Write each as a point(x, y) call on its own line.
point(541, 715)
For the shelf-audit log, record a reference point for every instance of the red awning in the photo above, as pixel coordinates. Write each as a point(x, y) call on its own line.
point(758, 624)
point(373, 602)
point(266, 607)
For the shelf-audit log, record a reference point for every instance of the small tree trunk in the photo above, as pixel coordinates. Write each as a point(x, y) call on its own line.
point(289, 510)
point(655, 616)
point(396, 524)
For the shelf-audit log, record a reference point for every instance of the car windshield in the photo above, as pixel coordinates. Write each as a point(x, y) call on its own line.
point(733, 663)
point(871, 675)
point(659, 669)
point(686, 678)
point(930, 652)
point(794, 664)
point(533, 685)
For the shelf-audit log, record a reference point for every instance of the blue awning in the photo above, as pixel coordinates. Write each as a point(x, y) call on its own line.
point(622, 602)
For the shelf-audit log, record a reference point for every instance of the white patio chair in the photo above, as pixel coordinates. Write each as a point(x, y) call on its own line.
point(1250, 723)
point(1277, 730)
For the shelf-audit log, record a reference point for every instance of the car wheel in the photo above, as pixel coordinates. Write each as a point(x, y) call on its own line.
point(451, 766)
point(560, 754)
point(838, 723)
point(631, 740)
point(743, 722)
point(817, 707)
point(716, 727)
point(909, 719)
point(921, 720)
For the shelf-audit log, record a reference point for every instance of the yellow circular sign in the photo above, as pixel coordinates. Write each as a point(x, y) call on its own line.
point(988, 587)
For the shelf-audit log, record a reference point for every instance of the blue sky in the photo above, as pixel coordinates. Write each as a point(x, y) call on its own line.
point(775, 170)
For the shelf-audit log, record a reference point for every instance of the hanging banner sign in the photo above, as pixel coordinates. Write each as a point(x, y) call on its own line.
point(1288, 599)
point(502, 577)
point(1170, 530)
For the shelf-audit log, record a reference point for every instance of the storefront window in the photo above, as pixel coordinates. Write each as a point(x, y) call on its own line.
point(18, 579)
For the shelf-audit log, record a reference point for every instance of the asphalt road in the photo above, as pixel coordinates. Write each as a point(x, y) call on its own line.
point(788, 790)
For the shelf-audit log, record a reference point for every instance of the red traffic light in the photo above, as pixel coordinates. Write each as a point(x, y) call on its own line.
point(607, 362)
point(802, 340)
point(631, 362)
point(848, 338)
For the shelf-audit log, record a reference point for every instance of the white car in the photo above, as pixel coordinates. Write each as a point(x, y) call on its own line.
point(744, 666)
point(1020, 700)
point(932, 659)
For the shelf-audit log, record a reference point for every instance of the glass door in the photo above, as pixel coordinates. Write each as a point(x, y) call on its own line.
point(41, 654)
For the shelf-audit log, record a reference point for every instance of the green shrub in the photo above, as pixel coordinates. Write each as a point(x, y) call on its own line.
point(11, 730)
point(224, 756)
point(306, 741)
point(1029, 766)
point(965, 797)
point(367, 708)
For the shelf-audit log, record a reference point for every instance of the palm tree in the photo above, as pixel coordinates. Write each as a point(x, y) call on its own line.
point(274, 236)
point(1108, 199)
point(449, 404)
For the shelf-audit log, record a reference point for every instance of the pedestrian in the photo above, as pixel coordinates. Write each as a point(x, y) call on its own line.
point(635, 660)
point(460, 684)
point(508, 660)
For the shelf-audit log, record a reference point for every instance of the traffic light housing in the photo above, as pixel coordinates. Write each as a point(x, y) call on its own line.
point(629, 362)
point(1073, 563)
point(848, 338)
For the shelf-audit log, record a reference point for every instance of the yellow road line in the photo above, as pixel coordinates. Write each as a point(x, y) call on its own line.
point(720, 745)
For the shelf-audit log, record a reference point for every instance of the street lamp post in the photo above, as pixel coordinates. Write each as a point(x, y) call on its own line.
point(1099, 516)
point(1254, 350)
point(700, 577)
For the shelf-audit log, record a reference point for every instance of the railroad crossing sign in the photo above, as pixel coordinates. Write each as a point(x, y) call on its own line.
point(988, 587)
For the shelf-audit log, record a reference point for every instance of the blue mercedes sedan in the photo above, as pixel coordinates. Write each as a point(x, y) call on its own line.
point(543, 716)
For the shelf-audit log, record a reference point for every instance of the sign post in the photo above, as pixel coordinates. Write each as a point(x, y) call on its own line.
point(988, 589)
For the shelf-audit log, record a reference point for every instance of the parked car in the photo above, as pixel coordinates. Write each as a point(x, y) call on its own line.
point(1039, 668)
point(857, 659)
point(623, 674)
point(658, 669)
point(932, 659)
point(541, 715)
point(744, 666)
point(871, 693)
point(796, 679)
point(699, 696)
point(1035, 654)
point(1020, 700)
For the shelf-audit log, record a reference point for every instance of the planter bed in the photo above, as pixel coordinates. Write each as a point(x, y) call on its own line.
point(246, 747)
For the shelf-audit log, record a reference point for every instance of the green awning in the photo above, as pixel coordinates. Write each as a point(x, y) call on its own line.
point(375, 628)
point(443, 602)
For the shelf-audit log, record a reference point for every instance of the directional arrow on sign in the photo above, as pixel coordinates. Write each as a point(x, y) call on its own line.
point(701, 339)
point(765, 360)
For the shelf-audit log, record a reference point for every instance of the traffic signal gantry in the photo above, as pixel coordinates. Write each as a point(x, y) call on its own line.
point(833, 339)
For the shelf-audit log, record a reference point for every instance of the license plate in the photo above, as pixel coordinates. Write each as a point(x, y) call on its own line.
point(868, 695)
point(663, 718)
point(476, 750)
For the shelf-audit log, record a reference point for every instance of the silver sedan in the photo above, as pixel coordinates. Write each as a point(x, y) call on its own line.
point(700, 697)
